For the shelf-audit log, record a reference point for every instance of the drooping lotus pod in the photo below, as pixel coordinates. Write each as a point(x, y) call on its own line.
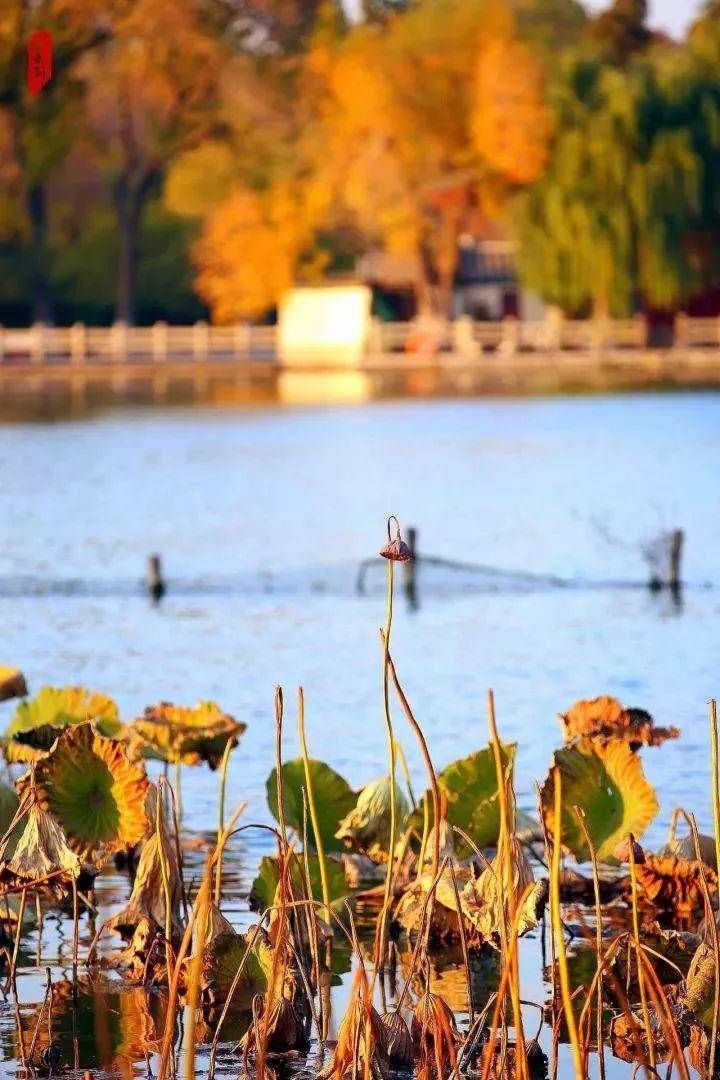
point(177, 733)
point(360, 1046)
point(435, 1037)
point(40, 858)
point(367, 826)
point(398, 1040)
point(37, 722)
point(95, 793)
point(605, 718)
point(158, 861)
point(12, 683)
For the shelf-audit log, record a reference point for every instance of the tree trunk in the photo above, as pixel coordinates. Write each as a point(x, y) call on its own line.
point(128, 209)
point(39, 253)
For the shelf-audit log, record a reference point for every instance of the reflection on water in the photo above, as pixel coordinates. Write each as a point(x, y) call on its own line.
point(277, 510)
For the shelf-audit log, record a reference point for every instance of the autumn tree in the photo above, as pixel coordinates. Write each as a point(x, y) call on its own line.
point(152, 94)
point(37, 132)
point(425, 122)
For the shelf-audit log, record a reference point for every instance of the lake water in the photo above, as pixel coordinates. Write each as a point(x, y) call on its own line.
point(263, 519)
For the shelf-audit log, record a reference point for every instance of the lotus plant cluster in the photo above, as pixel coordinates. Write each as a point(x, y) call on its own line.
point(380, 882)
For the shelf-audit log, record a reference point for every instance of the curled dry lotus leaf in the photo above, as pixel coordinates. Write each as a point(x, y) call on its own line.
point(484, 900)
point(37, 722)
point(435, 1035)
point(12, 683)
point(40, 857)
point(176, 733)
point(674, 884)
point(470, 788)
point(95, 792)
point(367, 827)
point(158, 858)
point(333, 797)
point(607, 782)
point(410, 910)
point(360, 1045)
point(605, 718)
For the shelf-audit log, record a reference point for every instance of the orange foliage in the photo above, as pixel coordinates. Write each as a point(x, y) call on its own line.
point(249, 251)
point(510, 122)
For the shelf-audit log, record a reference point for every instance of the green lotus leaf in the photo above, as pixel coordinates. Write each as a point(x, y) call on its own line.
point(264, 887)
point(12, 683)
point(606, 780)
point(95, 793)
point(36, 723)
point(334, 799)
point(471, 790)
point(177, 733)
point(222, 958)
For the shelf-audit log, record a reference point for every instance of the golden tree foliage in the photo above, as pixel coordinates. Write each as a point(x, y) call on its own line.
point(250, 250)
point(510, 121)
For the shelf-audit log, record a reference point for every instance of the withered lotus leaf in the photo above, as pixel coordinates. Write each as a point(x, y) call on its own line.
point(158, 857)
point(674, 884)
point(484, 900)
point(40, 857)
point(398, 1040)
point(606, 718)
point(95, 793)
point(607, 782)
point(12, 683)
point(37, 722)
point(190, 736)
point(367, 827)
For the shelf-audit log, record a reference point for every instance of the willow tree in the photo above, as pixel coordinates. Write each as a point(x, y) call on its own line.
point(607, 222)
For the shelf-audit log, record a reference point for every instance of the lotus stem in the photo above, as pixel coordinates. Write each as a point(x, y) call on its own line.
point(75, 932)
point(385, 638)
point(716, 831)
point(557, 928)
point(279, 712)
point(195, 970)
point(221, 818)
point(507, 875)
point(178, 792)
point(319, 846)
point(636, 939)
point(434, 786)
point(165, 877)
point(16, 946)
point(580, 815)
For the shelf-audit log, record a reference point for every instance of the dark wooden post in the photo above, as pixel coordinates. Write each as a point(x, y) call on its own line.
point(155, 581)
point(410, 568)
point(677, 539)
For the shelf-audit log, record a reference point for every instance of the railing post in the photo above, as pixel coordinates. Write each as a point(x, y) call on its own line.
point(241, 341)
point(200, 340)
point(510, 335)
point(78, 346)
point(641, 330)
point(119, 340)
point(680, 335)
point(38, 342)
point(160, 341)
